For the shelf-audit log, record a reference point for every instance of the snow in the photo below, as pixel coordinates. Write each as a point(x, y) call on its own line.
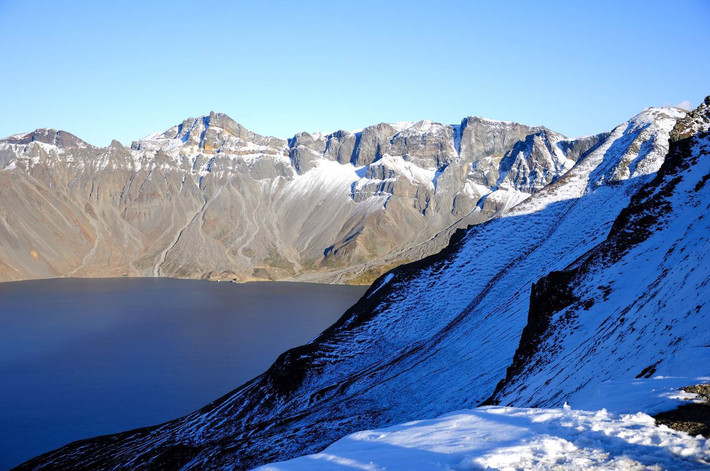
point(475, 190)
point(648, 310)
point(492, 121)
point(506, 199)
point(400, 126)
point(386, 280)
point(318, 136)
point(16, 136)
point(513, 438)
point(407, 169)
point(157, 135)
point(653, 124)
point(650, 395)
point(326, 177)
point(425, 126)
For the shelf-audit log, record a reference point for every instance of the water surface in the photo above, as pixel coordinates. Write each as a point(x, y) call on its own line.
point(80, 358)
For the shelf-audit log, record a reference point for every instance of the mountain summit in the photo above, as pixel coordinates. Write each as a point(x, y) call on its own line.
point(59, 139)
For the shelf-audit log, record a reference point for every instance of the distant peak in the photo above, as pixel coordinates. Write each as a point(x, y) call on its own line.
point(59, 138)
point(653, 114)
point(214, 115)
point(487, 120)
point(224, 121)
point(202, 123)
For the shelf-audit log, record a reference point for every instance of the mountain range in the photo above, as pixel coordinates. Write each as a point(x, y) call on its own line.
point(210, 199)
point(582, 283)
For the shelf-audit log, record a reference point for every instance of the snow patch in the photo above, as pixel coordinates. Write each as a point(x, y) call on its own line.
point(387, 279)
point(326, 177)
point(408, 170)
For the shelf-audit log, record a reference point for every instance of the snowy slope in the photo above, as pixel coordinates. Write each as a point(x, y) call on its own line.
point(634, 307)
point(430, 337)
point(622, 327)
point(511, 439)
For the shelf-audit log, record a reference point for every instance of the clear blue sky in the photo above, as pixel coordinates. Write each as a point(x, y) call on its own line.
point(123, 69)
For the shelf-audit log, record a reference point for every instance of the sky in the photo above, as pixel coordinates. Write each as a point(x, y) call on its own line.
point(123, 69)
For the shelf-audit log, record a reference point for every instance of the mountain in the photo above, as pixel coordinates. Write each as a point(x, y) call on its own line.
point(596, 281)
point(210, 199)
point(636, 305)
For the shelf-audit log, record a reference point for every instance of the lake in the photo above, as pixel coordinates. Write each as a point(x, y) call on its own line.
point(85, 357)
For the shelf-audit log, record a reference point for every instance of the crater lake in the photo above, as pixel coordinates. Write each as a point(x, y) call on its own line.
point(85, 357)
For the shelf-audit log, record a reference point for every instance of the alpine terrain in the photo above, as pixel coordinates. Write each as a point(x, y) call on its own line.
point(574, 306)
point(210, 199)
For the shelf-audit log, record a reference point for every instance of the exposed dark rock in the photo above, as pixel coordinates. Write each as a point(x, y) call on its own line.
point(694, 418)
point(549, 295)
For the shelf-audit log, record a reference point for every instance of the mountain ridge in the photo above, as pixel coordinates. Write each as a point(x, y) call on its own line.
point(190, 201)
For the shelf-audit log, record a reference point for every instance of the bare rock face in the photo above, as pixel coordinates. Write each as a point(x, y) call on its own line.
point(425, 144)
point(340, 147)
point(481, 137)
point(372, 143)
point(210, 199)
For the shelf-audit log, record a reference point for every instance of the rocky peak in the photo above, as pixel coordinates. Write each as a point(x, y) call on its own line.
point(61, 139)
point(533, 162)
point(210, 133)
point(426, 144)
point(340, 146)
point(373, 143)
point(695, 122)
point(481, 137)
point(575, 149)
point(639, 146)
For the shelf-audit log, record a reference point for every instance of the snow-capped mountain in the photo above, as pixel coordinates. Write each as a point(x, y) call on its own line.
point(591, 285)
point(210, 199)
point(636, 305)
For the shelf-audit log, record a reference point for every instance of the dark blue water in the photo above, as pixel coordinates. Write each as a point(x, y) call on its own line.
point(80, 358)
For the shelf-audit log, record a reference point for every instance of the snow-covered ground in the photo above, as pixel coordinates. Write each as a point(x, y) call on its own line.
point(650, 395)
point(508, 438)
point(594, 359)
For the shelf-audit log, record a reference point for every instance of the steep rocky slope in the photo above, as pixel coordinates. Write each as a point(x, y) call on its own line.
point(211, 199)
point(636, 305)
point(439, 334)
